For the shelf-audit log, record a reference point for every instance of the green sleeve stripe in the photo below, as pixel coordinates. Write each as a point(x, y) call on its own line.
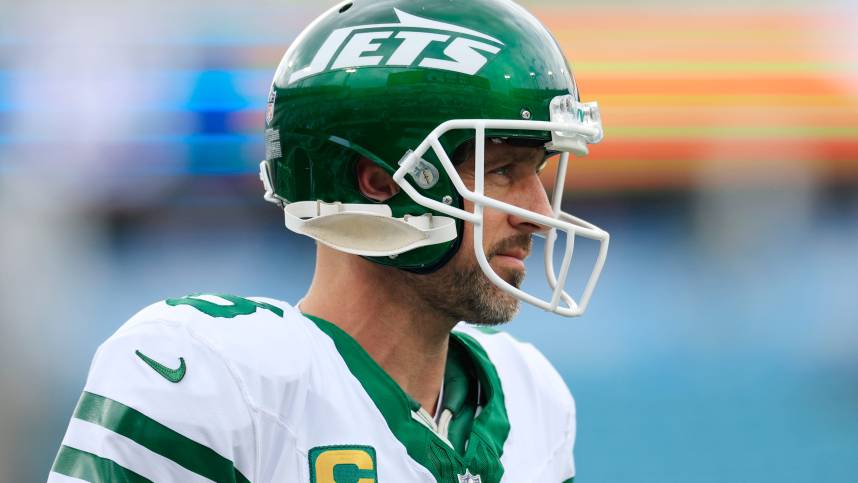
point(87, 466)
point(570, 480)
point(158, 438)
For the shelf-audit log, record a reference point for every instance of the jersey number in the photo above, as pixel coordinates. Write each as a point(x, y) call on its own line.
point(234, 306)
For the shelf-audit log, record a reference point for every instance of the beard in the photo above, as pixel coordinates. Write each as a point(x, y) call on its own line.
point(462, 292)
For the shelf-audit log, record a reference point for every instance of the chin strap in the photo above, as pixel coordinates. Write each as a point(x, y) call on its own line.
point(364, 229)
point(369, 230)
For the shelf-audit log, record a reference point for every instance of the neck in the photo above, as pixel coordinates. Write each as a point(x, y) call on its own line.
point(402, 333)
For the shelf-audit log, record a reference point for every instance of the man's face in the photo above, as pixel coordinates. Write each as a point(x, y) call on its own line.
point(460, 287)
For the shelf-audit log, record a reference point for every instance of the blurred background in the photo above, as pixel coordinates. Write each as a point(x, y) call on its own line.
point(721, 344)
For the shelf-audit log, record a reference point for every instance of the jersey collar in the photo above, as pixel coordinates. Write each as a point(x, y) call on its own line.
point(490, 425)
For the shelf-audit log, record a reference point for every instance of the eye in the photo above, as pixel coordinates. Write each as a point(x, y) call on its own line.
point(505, 170)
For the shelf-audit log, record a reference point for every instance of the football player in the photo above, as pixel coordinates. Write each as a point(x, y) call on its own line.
point(407, 138)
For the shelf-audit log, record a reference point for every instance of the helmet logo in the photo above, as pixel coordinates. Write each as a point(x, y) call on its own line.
point(348, 48)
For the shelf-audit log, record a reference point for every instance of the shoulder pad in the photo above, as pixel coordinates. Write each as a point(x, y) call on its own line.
point(264, 342)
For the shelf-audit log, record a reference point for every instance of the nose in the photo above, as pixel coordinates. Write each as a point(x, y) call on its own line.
point(533, 198)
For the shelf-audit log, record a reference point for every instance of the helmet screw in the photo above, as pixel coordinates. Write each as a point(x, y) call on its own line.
point(526, 115)
point(392, 257)
point(447, 200)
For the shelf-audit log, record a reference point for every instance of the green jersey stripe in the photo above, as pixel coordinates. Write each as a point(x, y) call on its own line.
point(489, 430)
point(87, 466)
point(158, 438)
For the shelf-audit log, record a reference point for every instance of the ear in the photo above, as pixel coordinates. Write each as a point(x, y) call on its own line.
point(374, 182)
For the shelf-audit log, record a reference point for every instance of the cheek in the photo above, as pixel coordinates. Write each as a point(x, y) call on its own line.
point(468, 234)
point(494, 222)
point(495, 226)
point(466, 246)
point(467, 239)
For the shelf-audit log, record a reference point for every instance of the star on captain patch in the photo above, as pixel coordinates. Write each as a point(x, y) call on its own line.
point(469, 478)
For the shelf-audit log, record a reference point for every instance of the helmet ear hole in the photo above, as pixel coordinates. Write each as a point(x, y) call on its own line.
point(374, 182)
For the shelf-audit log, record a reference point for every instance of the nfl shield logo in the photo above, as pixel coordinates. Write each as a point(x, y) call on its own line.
point(469, 478)
point(269, 113)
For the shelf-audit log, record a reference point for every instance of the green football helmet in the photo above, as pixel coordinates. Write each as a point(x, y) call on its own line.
point(405, 84)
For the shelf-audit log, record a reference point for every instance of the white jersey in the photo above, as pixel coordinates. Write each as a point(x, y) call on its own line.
point(224, 388)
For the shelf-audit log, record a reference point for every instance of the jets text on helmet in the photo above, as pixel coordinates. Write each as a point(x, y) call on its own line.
point(350, 47)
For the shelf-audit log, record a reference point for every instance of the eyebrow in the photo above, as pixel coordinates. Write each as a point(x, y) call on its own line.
point(521, 157)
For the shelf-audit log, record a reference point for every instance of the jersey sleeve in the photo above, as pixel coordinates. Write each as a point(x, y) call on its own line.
point(563, 461)
point(565, 456)
point(159, 405)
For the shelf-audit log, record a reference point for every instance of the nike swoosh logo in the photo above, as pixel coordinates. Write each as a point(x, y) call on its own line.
point(172, 375)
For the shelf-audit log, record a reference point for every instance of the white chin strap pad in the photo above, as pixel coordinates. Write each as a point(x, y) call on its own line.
point(365, 229)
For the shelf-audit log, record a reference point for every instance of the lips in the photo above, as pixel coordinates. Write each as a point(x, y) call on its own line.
point(519, 254)
point(513, 258)
point(514, 249)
